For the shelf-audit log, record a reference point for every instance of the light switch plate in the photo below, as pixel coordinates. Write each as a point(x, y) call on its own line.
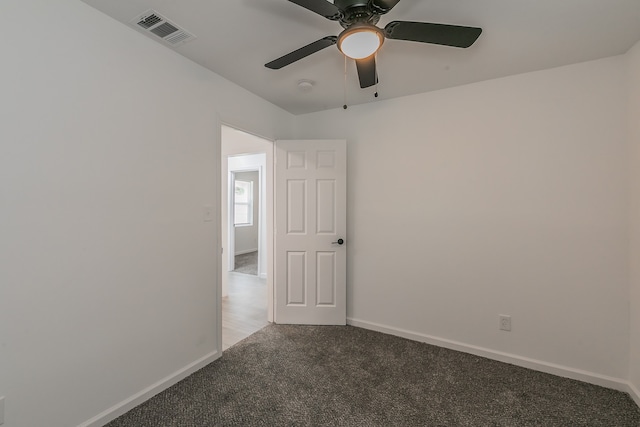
point(208, 213)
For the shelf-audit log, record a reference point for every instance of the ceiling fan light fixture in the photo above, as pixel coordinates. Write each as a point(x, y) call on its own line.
point(360, 41)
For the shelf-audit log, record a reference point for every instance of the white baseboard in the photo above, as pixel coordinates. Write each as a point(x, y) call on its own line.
point(634, 393)
point(146, 394)
point(246, 251)
point(525, 362)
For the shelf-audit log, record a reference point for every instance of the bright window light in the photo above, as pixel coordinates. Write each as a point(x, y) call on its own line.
point(243, 203)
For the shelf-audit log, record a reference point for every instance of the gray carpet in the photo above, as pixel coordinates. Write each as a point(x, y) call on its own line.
point(345, 376)
point(247, 263)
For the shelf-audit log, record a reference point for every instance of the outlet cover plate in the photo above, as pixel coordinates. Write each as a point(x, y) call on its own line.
point(505, 322)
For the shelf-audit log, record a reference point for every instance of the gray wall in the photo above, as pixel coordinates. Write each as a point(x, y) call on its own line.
point(634, 139)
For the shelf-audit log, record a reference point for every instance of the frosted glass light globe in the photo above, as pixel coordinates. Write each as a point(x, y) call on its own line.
point(360, 43)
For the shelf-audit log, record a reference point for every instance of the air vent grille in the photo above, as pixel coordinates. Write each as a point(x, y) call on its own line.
point(178, 37)
point(156, 24)
point(149, 21)
point(164, 29)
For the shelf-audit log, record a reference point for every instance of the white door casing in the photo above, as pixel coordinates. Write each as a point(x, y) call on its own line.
point(311, 202)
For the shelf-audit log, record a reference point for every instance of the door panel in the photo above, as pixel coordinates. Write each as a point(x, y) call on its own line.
point(296, 206)
point(311, 199)
point(326, 278)
point(296, 278)
point(326, 206)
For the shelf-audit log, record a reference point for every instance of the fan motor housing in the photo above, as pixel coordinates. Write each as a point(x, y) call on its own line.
point(346, 4)
point(356, 11)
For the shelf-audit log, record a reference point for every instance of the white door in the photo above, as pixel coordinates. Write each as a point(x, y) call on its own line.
point(311, 226)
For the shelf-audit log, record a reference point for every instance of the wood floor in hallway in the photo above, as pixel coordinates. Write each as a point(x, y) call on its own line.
point(244, 310)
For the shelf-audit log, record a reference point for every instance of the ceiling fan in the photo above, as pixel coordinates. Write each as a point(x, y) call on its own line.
point(361, 39)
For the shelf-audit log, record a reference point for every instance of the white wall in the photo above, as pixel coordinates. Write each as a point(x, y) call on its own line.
point(507, 196)
point(634, 140)
point(107, 269)
point(247, 236)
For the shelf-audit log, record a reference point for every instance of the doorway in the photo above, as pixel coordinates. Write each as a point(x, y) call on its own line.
point(247, 234)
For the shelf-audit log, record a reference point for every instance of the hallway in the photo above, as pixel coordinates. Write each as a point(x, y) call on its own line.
point(244, 311)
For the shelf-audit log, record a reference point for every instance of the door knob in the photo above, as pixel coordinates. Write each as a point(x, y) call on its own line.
point(339, 242)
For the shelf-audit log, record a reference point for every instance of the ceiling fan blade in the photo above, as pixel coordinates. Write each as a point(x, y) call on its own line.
point(367, 71)
point(383, 6)
point(303, 52)
point(321, 7)
point(424, 32)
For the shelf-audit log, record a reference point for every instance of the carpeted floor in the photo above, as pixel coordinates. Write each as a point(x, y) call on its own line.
point(247, 263)
point(345, 376)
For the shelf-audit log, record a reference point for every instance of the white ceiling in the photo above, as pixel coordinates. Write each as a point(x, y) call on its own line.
point(235, 38)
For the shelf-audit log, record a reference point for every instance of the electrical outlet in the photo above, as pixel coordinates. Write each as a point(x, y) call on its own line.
point(1, 410)
point(505, 322)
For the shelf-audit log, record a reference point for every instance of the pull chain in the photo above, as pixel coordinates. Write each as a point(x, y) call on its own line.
point(376, 94)
point(345, 82)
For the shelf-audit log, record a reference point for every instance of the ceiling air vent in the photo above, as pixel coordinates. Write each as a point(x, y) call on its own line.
point(159, 26)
